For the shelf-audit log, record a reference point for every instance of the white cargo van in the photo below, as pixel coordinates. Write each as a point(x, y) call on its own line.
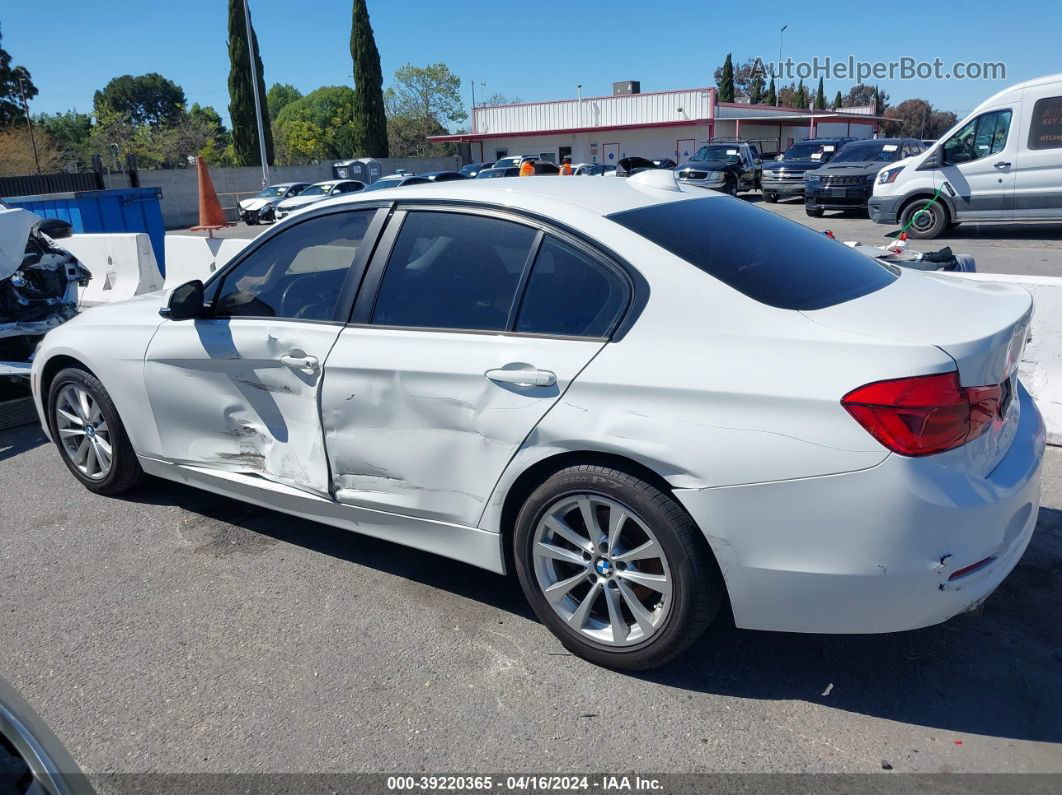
point(1003, 162)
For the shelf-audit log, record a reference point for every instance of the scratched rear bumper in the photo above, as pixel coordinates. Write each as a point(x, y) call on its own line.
point(875, 550)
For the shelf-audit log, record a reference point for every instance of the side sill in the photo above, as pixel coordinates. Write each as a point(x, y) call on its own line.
point(470, 545)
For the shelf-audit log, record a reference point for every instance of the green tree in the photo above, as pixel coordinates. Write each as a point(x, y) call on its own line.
point(500, 99)
point(143, 99)
point(423, 100)
point(820, 97)
point(241, 92)
point(757, 89)
point(370, 117)
point(318, 126)
point(916, 118)
point(10, 95)
point(881, 101)
point(772, 94)
point(802, 99)
point(726, 80)
point(279, 96)
point(860, 95)
point(69, 133)
point(837, 101)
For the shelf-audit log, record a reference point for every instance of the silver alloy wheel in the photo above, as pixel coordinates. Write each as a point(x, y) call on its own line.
point(83, 432)
point(602, 569)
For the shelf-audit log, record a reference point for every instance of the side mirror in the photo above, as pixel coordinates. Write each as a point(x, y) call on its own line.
point(935, 159)
point(55, 228)
point(758, 161)
point(184, 302)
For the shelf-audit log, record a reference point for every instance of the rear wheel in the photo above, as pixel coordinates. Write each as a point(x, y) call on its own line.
point(814, 212)
point(924, 220)
point(89, 434)
point(615, 568)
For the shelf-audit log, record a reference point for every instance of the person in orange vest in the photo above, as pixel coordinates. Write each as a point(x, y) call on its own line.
point(527, 169)
point(566, 166)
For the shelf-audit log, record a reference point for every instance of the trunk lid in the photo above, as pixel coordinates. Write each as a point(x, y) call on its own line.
point(983, 326)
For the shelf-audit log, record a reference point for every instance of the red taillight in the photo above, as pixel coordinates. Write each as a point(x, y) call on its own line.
point(924, 414)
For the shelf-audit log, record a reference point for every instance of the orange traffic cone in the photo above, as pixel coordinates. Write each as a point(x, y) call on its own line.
point(211, 216)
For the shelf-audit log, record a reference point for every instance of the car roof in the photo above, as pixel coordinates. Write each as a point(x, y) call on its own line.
point(539, 194)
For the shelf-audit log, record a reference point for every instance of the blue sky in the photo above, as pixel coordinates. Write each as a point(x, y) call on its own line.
point(73, 47)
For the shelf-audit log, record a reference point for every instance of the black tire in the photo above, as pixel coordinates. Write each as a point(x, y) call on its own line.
point(125, 472)
point(931, 220)
point(770, 198)
point(697, 586)
point(813, 212)
point(731, 187)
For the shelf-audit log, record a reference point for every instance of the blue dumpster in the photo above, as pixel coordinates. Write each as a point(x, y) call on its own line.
point(94, 211)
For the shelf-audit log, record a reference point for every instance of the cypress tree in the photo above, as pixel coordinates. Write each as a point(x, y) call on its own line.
point(820, 97)
point(772, 95)
point(837, 101)
point(241, 93)
point(370, 120)
point(726, 80)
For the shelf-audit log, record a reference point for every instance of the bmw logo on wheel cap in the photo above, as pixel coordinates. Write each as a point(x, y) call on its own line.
point(604, 567)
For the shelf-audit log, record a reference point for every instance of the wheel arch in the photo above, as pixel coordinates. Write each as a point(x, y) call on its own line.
point(51, 369)
point(925, 194)
point(539, 471)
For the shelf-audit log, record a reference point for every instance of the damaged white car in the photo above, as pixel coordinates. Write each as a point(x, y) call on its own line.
point(38, 285)
point(646, 401)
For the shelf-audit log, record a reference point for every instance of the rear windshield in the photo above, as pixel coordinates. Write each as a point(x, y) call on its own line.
point(770, 259)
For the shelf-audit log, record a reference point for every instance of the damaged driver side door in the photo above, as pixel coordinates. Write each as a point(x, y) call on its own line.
point(237, 389)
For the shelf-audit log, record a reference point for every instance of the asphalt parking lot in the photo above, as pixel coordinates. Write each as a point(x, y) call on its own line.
point(179, 631)
point(1018, 248)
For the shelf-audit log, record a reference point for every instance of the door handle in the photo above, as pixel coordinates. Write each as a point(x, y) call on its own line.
point(531, 377)
point(308, 363)
point(1002, 164)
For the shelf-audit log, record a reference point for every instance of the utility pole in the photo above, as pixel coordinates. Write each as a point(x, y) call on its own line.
point(29, 122)
point(257, 99)
point(778, 82)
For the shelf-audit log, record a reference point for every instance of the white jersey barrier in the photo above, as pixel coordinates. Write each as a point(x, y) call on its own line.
point(122, 265)
point(1041, 365)
point(191, 257)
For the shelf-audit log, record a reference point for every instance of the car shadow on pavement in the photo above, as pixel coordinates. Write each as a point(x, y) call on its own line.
point(996, 674)
point(15, 441)
point(461, 579)
point(999, 674)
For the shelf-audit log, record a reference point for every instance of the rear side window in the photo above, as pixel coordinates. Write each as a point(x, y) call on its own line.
point(454, 271)
point(570, 294)
point(1045, 132)
point(772, 260)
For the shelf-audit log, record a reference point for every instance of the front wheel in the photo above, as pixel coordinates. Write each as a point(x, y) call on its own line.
point(89, 434)
point(924, 220)
point(731, 187)
point(770, 198)
point(615, 568)
point(813, 212)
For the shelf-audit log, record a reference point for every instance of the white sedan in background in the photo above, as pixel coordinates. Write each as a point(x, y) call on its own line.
point(645, 401)
point(319, 191)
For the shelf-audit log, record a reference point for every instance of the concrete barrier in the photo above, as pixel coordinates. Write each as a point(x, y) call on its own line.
point(192, 257)
point(122, 265)
point(1041, 364)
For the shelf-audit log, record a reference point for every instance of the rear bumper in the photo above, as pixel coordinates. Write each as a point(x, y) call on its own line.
point(884, 209)
point(878, 550)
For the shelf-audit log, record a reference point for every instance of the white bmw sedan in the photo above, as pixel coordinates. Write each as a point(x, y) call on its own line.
point(647, 402)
